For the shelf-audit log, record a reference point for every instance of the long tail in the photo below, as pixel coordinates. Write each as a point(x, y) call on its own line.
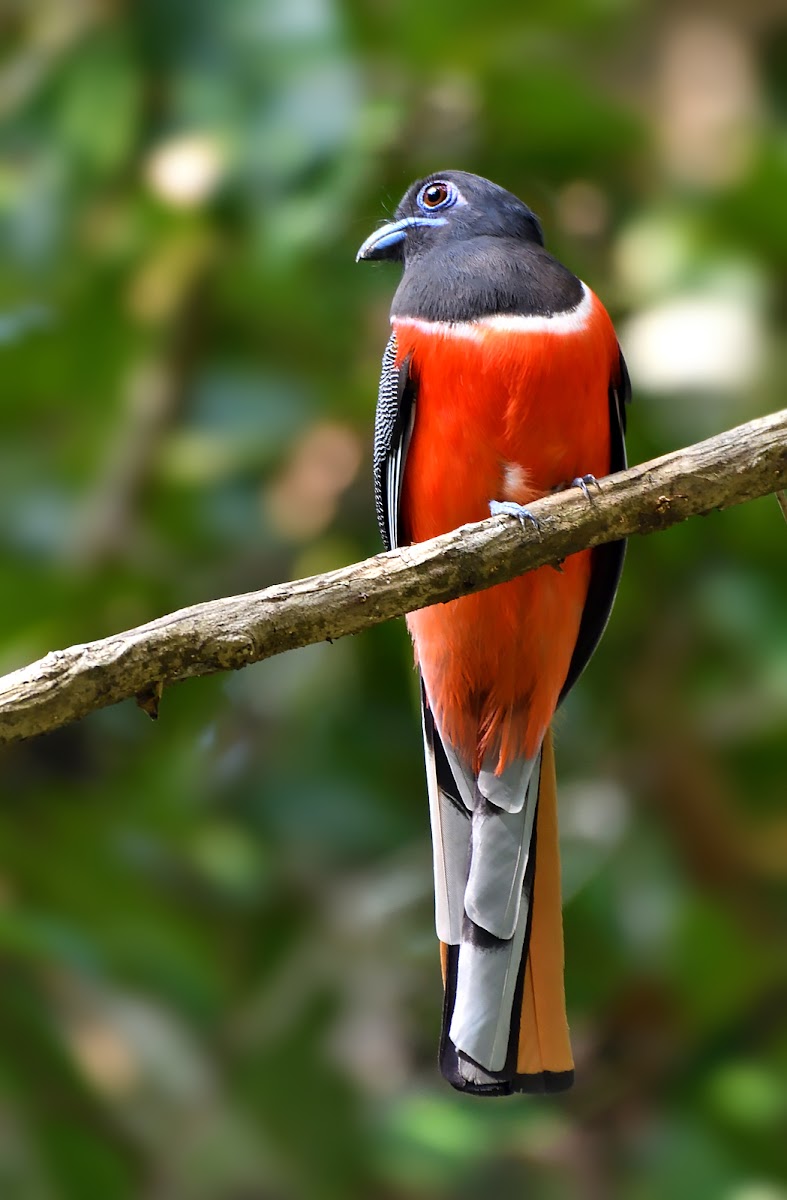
point(500, 923)
point(544, 1061)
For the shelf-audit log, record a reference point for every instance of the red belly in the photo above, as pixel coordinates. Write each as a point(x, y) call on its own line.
point(506, 416)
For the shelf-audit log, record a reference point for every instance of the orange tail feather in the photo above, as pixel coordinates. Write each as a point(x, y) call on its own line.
point(544, 1044)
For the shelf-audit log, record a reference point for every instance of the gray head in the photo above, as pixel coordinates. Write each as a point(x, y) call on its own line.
point(450, 207)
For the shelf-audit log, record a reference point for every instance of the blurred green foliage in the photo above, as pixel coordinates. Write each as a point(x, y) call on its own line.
point(219, 978)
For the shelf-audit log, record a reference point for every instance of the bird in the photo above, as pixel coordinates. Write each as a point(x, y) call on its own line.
point(502, 381)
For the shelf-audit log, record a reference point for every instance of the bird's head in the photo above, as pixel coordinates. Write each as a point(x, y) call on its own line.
point(450, 206)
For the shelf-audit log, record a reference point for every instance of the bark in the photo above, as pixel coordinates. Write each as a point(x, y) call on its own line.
point(221, 635)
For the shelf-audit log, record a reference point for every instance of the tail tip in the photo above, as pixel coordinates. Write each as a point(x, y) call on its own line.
point(467, 1076)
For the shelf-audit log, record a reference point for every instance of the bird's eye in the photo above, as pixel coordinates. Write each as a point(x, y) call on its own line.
point(438, 194)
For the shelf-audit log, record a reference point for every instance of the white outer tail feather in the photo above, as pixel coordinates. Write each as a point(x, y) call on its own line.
point(480, 863)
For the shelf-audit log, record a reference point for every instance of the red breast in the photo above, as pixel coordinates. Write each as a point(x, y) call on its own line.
point(509, 408)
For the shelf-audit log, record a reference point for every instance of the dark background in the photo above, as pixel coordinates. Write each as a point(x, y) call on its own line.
point(218, 975)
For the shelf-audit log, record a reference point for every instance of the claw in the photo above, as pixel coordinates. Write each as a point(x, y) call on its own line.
point(582, 481)
point(509, 508)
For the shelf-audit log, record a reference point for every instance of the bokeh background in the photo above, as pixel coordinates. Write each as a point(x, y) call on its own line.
point(218, 977)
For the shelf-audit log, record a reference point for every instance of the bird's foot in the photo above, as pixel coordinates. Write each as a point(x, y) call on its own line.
point(582, 482)
point(510, 508)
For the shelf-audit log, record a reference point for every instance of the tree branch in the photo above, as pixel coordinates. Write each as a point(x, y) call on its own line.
point(220, 635)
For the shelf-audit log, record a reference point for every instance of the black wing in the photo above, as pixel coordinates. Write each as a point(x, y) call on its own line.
point(393, 425)
point(607, 560)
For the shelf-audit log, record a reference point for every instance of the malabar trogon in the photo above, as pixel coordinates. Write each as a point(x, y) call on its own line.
point(502, 381)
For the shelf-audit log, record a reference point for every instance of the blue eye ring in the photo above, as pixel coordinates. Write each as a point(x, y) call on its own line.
point(437, 194)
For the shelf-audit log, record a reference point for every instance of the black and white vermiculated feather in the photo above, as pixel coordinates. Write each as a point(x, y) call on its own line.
point(393, 426)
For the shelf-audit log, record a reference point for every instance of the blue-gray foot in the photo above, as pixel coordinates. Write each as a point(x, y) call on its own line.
point(511, 509)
